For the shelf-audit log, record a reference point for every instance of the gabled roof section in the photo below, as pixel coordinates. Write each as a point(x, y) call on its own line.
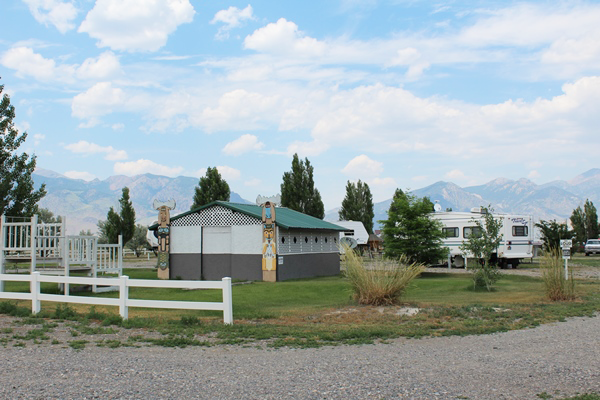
point(284, 217)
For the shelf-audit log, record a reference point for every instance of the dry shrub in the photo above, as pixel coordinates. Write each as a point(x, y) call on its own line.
point(556, 286)
point(383, 283)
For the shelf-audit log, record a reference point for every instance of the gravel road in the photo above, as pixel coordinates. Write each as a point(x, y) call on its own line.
point(563, 357)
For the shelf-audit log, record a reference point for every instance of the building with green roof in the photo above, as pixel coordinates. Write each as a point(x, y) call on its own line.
point(223, 239)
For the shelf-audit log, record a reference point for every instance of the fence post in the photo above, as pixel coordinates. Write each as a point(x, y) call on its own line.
point(33, 242)
point(35, 292)
point(3, 237)
point(123, 296)
point(227, 302)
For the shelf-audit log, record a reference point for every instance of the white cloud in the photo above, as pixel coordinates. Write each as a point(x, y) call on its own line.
point(229, 173)
point(37, 138)
point(86, 176)
point(118, 127)
point(253, 182)
point(143, 166)
point(455, 174)
point(105, 65)
point(100, 99)
point(243, 144)
point(28, 63)
point(534, 174)
point(362, 167)
point(131, 25)
point(231, 18)
point(55, 12)
point(284, 37)
point(86, 148)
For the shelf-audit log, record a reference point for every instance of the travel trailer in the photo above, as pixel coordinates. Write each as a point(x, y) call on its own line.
point(517, 235)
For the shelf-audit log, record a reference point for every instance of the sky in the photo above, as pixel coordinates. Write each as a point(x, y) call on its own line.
point(397, 93)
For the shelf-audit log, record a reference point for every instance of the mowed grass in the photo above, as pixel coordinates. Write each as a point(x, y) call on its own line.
point(320, 311)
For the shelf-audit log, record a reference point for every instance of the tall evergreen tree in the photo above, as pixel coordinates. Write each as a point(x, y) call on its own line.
point(17, 194)
point(298, 190)
point(409, 231)
point(127, 216)
point(211, 187)
point(358, 205)
point(116, 224)
point(591, 220)
point(578, 224)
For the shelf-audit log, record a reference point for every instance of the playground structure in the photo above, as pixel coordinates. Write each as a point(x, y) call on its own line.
point(45, 248)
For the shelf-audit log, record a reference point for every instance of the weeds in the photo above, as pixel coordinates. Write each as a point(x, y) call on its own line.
point(556, 286)
point(384, 283)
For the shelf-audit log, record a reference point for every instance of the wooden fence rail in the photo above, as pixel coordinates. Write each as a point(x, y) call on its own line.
point(123, 302)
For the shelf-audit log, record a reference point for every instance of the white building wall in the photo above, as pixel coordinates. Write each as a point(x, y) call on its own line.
point(217, 240)
point(186, 239)
point(246, 239)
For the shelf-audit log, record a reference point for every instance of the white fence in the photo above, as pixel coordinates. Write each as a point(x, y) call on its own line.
point(123, 302)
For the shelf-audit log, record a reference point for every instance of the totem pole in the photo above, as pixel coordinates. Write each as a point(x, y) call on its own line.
point(163, 234)
point(269, 246)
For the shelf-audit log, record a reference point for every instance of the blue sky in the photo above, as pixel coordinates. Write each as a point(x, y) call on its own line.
point(399, 93)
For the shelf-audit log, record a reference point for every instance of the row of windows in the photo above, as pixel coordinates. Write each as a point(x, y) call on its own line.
point(468, 231)
point(295, 239)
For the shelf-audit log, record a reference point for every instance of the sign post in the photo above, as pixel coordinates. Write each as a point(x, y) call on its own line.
point(565, 245)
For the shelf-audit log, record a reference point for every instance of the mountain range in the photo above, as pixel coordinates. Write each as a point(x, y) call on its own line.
point(84, 203)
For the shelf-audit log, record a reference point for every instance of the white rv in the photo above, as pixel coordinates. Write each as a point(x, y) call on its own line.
point(517, 235)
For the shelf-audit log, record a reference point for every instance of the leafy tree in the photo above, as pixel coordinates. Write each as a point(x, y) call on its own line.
point(591, 220)
point(552, 233)
point(410, 232)
point(482, 246)
point(47, 217)
point(127, 216)
point(298, 190)
point(358, 205)
point(118, 224)
point(211, 187)
point(18, 197)
point(139, 241)
point(85, 233)
point(578, 222)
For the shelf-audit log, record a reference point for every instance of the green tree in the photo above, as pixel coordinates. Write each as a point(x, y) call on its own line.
point(127, 216)
point(211, 187)
point(409, 230)
point(552, 233)
point(298, 190)
point(358, 205)
point(83, 232)
point(139, 241)
point(47, 217)
point(18, 198)
point(591, 220)
point(578, 220)
point(116, 224)
point(482, 246)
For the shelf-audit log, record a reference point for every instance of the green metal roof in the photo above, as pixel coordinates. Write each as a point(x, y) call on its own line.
point(284, 217)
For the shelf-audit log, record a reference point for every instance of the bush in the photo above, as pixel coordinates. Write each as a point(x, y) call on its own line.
point(556, 286)
point(383, 283)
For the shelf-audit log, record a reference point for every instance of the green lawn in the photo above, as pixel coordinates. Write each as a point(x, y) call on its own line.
point(314, 312)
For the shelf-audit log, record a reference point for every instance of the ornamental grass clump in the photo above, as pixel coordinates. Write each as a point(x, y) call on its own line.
point(383, 282)
point(556, 286)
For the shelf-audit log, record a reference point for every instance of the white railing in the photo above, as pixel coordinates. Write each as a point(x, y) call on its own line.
point(123, 302)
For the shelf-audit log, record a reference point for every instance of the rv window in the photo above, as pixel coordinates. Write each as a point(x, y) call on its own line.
point(469, 231)
point(519, 230)
point(450, 232)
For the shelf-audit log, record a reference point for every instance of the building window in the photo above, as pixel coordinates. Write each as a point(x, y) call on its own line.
point(316, 240)
point(325, 240)
point(469, 231)
point(519, 230)
point(450, 232)
point(282, 240)
point(294, 239)
point(305, 239)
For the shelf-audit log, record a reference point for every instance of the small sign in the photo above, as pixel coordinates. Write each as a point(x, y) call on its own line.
point(566, 243)
point(566, 254)
point(280, 260)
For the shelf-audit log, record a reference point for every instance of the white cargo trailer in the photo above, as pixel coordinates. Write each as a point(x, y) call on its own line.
point(517, 235)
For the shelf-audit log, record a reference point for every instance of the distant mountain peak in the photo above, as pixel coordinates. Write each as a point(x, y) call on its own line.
point(48, 173)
